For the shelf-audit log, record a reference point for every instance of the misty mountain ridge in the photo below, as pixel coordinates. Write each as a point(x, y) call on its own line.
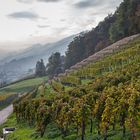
point(4, 53)
point(17, 66)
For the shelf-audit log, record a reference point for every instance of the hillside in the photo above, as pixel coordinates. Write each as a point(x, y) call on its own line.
point(99, 100)
point(11, 92)
point(98, 95)
point(17, 66)
point(22, 86)
point(3, 53)
point(125, 21)
point(101, 54)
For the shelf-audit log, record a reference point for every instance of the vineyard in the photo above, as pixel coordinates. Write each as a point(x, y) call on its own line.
point(97, 101)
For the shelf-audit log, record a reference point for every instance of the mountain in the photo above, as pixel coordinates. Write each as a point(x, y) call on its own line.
point(18, 65)
point(4, 53)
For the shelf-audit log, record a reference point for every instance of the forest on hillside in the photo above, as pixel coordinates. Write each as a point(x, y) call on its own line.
point(124, 22)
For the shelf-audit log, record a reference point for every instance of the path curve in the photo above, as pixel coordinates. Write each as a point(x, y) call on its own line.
point(5, 113)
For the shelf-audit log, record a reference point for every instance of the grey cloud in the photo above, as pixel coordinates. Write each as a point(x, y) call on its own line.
point(43, 26)
point(24, 15)
point(62, 20)
point(87, 3)
point(31, 1)
point(82, 4)
point(96, 3)
point(113, 3)
point(26, 1)
point(48, 0)
point(44, 18)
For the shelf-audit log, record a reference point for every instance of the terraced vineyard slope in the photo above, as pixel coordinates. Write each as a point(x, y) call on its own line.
point(100, 100)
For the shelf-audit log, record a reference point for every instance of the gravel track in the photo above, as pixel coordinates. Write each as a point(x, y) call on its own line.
point(5, 113)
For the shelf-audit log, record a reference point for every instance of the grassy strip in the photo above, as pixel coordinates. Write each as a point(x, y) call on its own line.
point(23, 86)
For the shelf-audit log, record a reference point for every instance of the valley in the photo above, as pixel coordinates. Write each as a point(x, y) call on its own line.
point(84, 84)
point(70, 91)
point(22, 64)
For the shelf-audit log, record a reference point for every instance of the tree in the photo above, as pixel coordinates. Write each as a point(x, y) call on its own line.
point(75, 52)
point(55, 64)
point(127, 20)
point(40, 68)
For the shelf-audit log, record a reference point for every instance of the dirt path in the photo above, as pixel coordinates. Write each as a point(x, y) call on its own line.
point(4, 114)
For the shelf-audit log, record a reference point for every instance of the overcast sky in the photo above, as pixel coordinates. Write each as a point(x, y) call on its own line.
point(26, 21)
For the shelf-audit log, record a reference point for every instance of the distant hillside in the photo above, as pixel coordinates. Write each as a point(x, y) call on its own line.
point(17, 66)
point(3, 53)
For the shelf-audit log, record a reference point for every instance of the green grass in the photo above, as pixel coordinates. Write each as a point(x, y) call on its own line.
point(6, 99)
point(23, 86)
point(21, 130)
point(25, 132)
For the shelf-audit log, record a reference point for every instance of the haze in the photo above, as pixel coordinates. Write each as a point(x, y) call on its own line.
point(25, 22)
